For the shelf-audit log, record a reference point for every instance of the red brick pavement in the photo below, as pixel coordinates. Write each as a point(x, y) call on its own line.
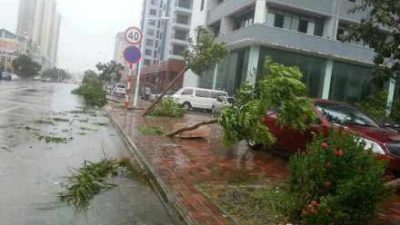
point(182, 164)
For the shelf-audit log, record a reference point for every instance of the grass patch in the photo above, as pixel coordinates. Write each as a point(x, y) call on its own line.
point(152, 130)
point(256, 205)
point(168, 108)
point(52, 139)
point(49, 122)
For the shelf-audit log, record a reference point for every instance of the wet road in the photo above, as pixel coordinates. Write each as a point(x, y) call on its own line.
point(32, 171)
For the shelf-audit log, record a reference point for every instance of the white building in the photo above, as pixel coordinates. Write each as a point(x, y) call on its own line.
point(39, 22)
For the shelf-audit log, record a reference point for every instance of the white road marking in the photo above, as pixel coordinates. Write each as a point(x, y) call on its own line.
point(9, 109)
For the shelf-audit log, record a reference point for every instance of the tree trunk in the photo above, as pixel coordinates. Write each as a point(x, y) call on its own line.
point(395, 184)
point(191, 127)
point(176, 79)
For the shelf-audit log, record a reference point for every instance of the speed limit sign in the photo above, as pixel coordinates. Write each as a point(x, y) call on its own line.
point(133, 35)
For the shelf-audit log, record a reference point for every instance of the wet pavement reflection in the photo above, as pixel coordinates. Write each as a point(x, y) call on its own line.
point(32, 170)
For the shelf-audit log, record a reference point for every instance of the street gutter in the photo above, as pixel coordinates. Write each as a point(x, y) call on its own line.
point(174, 208)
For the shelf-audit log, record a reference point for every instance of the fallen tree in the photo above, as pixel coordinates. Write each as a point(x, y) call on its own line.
point(202, 54)
point(191, 127)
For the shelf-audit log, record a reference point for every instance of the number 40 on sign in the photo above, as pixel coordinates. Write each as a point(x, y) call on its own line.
point(133, 35)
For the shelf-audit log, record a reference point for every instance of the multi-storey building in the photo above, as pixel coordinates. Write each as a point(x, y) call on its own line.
point(302, 33)
point(166, 24)
point(39, 23)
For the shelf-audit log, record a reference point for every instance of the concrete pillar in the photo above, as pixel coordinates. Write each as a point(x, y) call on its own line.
point(327, 79)
point(331, 24)
point(226, 25)
point(392, 88)
point(260, 11)
point(214, 84)
point(254, 56)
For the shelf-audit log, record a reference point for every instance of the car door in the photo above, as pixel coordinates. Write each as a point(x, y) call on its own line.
point(201, 99)
point(289, 139)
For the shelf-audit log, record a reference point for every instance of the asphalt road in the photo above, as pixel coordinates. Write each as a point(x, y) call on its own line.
point(32, 171)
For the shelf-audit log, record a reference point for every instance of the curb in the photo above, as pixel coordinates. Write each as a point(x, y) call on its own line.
point(174, 208)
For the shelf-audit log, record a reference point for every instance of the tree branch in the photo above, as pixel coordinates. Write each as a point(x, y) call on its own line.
point(191, 127)
point(395, 184)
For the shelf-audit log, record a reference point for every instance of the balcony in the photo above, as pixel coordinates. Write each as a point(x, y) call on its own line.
point(258, 34)
point(228, 7)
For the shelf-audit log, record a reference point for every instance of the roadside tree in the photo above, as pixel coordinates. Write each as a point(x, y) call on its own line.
point(56, 74)
point(110, 71)
point(25, 67)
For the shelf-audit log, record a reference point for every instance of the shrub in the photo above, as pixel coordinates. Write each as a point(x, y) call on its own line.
point(375, 106)
point(336, 182)
point(168, 108)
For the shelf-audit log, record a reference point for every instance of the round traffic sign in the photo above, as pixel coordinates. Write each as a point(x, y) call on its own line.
point(133, 35)
point(132, 54)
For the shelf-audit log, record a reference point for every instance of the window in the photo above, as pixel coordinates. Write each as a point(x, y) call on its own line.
point(154, 2)
point(303, 26)
point(149, 42)
point(155, 53)
point(181, 34)
point(153, 12)
point(146, 62)
point(156, 45)
point(152, 22)
point(182, 19)
point(319, 28)
point(150, 32)
point(217, 94)
point(244, 20)
point(184, 4)
point(147, 52)
point(279, 19)
point(202, 5)
point(202, 94)
point(187, 92)
point(178, 49)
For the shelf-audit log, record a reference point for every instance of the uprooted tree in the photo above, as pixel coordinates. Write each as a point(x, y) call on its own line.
point(202, 53)
point(280, 89)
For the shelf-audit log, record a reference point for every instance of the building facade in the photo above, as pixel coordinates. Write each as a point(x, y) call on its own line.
point(39, 23)
point(8, 48)
point(303, 33)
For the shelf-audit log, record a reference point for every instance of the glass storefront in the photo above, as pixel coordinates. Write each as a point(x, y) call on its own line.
point(350, 83)
point(232, 72)
point(313, 68)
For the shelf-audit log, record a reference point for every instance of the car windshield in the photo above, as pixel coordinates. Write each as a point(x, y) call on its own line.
point(229, 100)
point(121, 85)
point(344, 115)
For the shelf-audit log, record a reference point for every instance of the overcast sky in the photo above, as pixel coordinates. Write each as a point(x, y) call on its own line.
point(88, 28)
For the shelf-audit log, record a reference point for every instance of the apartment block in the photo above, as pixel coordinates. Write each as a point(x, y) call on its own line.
point(303, 33)
point(39, 23)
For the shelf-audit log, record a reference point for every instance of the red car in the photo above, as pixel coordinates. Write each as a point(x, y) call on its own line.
point(382, 141)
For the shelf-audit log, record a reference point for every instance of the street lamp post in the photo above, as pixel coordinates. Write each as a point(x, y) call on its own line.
point(142, 49)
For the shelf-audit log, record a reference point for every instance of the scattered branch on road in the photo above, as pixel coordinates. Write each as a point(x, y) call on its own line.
point(191, 127)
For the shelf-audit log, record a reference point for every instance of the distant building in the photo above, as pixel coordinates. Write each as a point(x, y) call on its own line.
point(39, 23)
point(8, 48)
point(167, 25)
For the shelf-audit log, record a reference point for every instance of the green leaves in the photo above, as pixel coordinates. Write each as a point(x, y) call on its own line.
point(204, 52)
point(168, 108)
point(280, 90)
point(88, 181)
point(342, 180)
point(25, 67)
point(110, 71)
point(380, 30)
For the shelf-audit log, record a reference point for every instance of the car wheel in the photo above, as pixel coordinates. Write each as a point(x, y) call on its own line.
point(254, 145)
point(187, 106)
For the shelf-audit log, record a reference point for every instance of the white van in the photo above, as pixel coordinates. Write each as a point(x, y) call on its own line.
point(200, 98)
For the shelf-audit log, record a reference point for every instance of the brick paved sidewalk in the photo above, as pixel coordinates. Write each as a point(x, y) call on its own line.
point(180, 165)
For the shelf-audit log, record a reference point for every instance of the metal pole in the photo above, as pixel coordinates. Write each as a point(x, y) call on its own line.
point(135, 100)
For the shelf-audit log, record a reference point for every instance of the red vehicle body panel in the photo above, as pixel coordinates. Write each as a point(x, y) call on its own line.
point(291, 141)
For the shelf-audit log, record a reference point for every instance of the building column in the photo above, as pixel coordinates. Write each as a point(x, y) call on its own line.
point(226, 26)
point(331, 24)
point(214, 84)
point(327, 79)
point(260, 12)
point(254, 55)
point(392, 88)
